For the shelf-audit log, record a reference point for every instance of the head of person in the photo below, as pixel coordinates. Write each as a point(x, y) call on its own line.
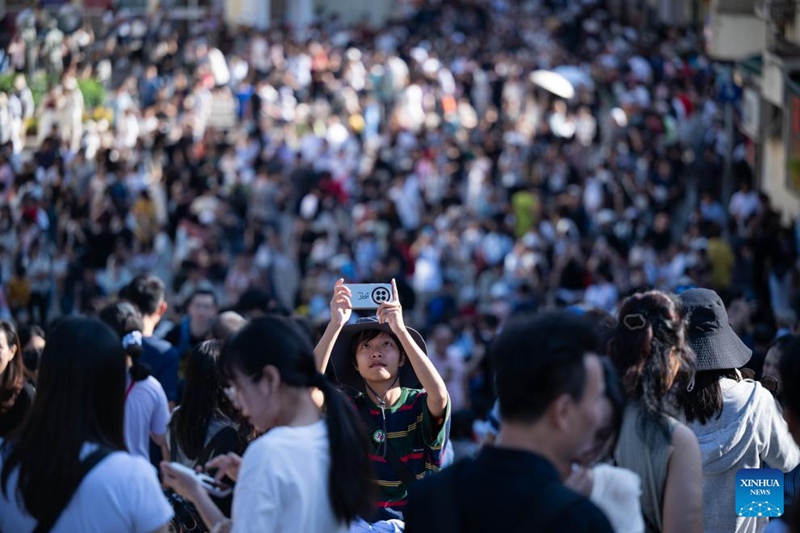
point(201, 307)
point(650, 351)
point(550, 380)
point(367, 353)
point(203, 399)
point(269, 365)
point(147, 293)
point(789, 367)
point(720, 354)
point(80, 398)
point(31, 338)
point(772, 360)
point(225, 325)
point(12, 372)
point(441, 338)
point(125, 319)
point(613, 407)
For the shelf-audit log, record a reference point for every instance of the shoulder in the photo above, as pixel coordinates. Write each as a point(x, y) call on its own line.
point(162, 346)
point(123, 471)
point(683, 437)
point(424, 492)
point(582, 515)
point(414, 397)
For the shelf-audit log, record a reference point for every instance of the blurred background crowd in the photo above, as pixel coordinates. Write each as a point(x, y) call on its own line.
point(263, 166)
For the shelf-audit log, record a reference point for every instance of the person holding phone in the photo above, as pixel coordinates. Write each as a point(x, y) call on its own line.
point(382, 363)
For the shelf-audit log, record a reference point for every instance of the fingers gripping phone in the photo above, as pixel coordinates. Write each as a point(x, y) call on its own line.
point(212, 486)
point(369, 295)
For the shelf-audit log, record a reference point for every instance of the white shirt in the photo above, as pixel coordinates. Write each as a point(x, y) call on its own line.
point(121, 494)
point(283, 483)
point(146, 411)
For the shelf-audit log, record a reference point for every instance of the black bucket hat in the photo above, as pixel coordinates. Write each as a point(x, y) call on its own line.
point(345, 371)
point(710, 334)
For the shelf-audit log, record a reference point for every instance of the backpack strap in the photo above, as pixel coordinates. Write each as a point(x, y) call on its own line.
point(93, 459)
point(226, 438)
point(391, 457)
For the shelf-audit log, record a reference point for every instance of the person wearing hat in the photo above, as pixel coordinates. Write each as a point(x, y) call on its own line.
point(737, 422)
point(382, 363)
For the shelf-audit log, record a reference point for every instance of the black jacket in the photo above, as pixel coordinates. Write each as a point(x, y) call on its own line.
point(500, 490)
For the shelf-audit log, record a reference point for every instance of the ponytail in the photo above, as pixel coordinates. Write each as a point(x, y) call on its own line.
point(132, 343)
point(351, 484)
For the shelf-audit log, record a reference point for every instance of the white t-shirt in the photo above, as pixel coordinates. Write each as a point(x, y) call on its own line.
point(283, 483)
point(146, 411)
point(120, 494)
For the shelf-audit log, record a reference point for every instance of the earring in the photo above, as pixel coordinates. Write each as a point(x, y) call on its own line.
point(690, 386)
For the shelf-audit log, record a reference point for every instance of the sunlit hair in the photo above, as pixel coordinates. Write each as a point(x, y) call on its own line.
point(649, 340)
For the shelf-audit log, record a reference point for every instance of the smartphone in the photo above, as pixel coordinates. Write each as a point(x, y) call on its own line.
point(369, 295)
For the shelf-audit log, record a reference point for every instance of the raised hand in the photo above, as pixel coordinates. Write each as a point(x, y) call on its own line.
point(341, 308)
point(392, 312)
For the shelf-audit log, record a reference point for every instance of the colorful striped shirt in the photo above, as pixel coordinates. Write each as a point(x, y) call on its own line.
point(416, 439)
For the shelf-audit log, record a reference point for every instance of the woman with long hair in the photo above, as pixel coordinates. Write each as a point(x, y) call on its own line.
point(650, 353)
point(310, 471)
point(78, 410)
point(146, 406)
point(16, 394)
point(737, 422)
point(205, 425)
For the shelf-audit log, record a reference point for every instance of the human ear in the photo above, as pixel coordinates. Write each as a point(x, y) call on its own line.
point(270, 377)
point(559, 411)
point(402, 360)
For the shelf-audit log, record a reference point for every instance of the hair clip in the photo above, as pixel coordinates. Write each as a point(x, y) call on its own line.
point(634, 322)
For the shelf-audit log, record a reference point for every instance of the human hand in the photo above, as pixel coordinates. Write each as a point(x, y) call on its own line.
point(226, 465)
point(182, 482)
point(341, 308)
point(391, 312)
point(581, 480)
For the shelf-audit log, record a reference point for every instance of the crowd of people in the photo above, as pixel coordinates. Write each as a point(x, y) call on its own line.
point(230, 177)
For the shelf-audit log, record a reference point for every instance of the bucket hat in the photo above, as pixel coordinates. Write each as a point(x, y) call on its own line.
point(710, 334)
point(345, 371)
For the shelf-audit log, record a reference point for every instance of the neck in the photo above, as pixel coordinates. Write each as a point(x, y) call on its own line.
point(195, 330)
point(303, 411)
point(149, 323)
point(535, 439)
point(388, 392)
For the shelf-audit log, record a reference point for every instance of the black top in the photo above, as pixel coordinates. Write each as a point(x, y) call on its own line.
point(164, 361)
point(14, 416)
point(500, 490)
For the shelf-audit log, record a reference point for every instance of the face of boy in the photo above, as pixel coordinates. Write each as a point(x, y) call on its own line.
point(378, 359)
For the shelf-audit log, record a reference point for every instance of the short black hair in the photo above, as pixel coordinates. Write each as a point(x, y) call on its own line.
point(145, 292)
point(539, 358)
point(195, 294)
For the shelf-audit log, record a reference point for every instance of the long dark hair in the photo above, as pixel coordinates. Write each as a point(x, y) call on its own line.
point(703, 401)
point(126, 320)
point(278, 341)
point(80, 398)
point(651, 325)
point(203, 399)
point(13, 377)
